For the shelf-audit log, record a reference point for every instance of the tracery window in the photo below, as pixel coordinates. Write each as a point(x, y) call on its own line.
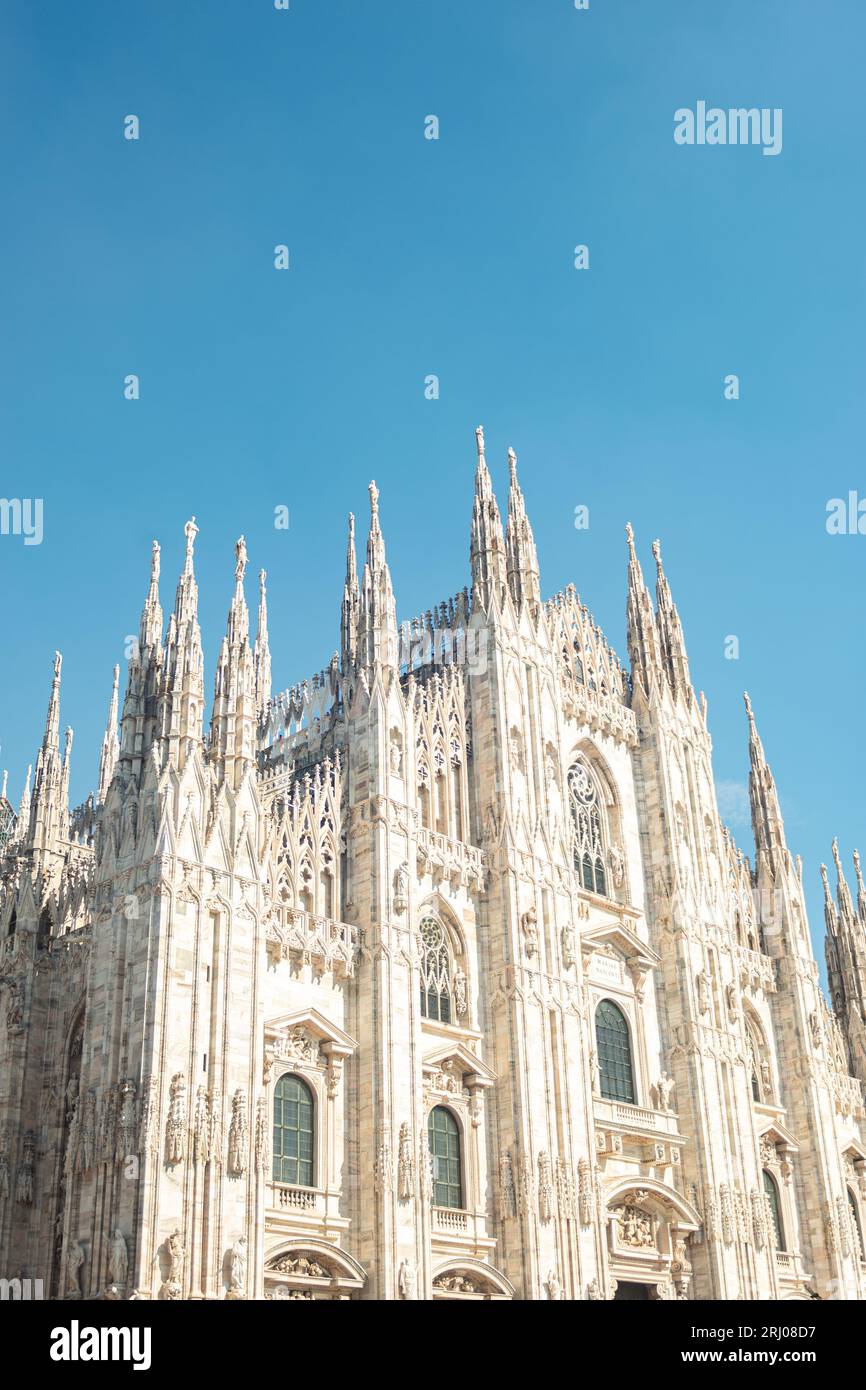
point(435, 971)
point(443, 1134)
point(588, 831)
point(616, 1073)
point(293, 1132)
point(774, 1205)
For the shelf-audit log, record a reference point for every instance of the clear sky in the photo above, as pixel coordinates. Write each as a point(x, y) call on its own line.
point(412, 257)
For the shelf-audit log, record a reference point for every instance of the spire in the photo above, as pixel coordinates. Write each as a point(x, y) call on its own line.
point(520, 553)
point(151, 614)
point(110, 745)
point(46, 808)
point(830, 918)
point(771, 849)
point(843, 894)
point(861, 889)
point(377, 611)
point(642, 634)
point(50, 738)
point(5, 785)
point(673, 647)
point(233, 719)
point(24, 808)
point(262, 651)
point(349, 607)
point(182, 685)
point(487, 545)
point(144, 677)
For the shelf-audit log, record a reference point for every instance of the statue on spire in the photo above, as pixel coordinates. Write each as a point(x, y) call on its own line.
point(154, 562)
point(241, 559)
point(190, 531)
point(374, 500)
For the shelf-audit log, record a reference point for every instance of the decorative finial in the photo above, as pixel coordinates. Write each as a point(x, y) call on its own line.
point(240, 559)
point(154, 562)
point(747, 702)
point(836, 860)
point(262, 577)
point(479, 441)
point(374, 499)
point(58, 662)
point(657, 553)
point(190, 531)
point(351, 526)
point(512, 465)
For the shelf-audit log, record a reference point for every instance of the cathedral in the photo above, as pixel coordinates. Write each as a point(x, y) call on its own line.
point(436, 976)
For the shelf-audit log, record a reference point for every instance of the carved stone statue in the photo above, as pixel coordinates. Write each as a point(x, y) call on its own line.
point(554, 1287)
point(75, 1258)
point(665, 1090)
point(238, 1267)
point(118, 1259)
point(529, 927)
point(407, 1281)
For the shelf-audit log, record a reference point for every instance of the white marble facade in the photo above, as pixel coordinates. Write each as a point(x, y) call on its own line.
point(435, 977)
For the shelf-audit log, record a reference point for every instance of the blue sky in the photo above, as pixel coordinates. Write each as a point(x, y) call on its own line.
point(412, 257)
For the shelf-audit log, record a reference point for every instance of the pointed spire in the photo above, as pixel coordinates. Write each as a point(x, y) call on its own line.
point(769, 829)
point(262, 651)
point(673, 646)
point(843, 894)
point(181, 698)
point(51, 737)
point(642, 634)
point(24, 808)
point(830, 917)
point(861, 889)
point(151, 615)
point(3, 796)
point(487, 544)
point(46, 807)
point(110, 744)
point(520, 553)
point(349, 606)
point(233, 719)
point(377, 611)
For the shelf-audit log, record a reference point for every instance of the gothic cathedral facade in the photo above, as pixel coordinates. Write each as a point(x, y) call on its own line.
point(434, 977)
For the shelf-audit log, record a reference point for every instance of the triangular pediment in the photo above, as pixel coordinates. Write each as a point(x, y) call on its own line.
point(778, 1134)
point(618, 937)
point(457, 1059)
point(314, 1023)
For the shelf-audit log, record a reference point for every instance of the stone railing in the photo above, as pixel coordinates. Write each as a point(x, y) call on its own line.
point(318, 941)
point(450, 1221)
point(292, 1198)
point(462, 865)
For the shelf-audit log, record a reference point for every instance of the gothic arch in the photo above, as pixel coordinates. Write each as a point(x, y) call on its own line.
point(595, 819)
point(761, 1079)
point(435, 905)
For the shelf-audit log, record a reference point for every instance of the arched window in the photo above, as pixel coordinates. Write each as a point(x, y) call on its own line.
point(616, 1075)
point(855, 1221)
point(435, 971)
point(443, 1134)
point(293, 1132)
point(588, 834)
point(774, 1205)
